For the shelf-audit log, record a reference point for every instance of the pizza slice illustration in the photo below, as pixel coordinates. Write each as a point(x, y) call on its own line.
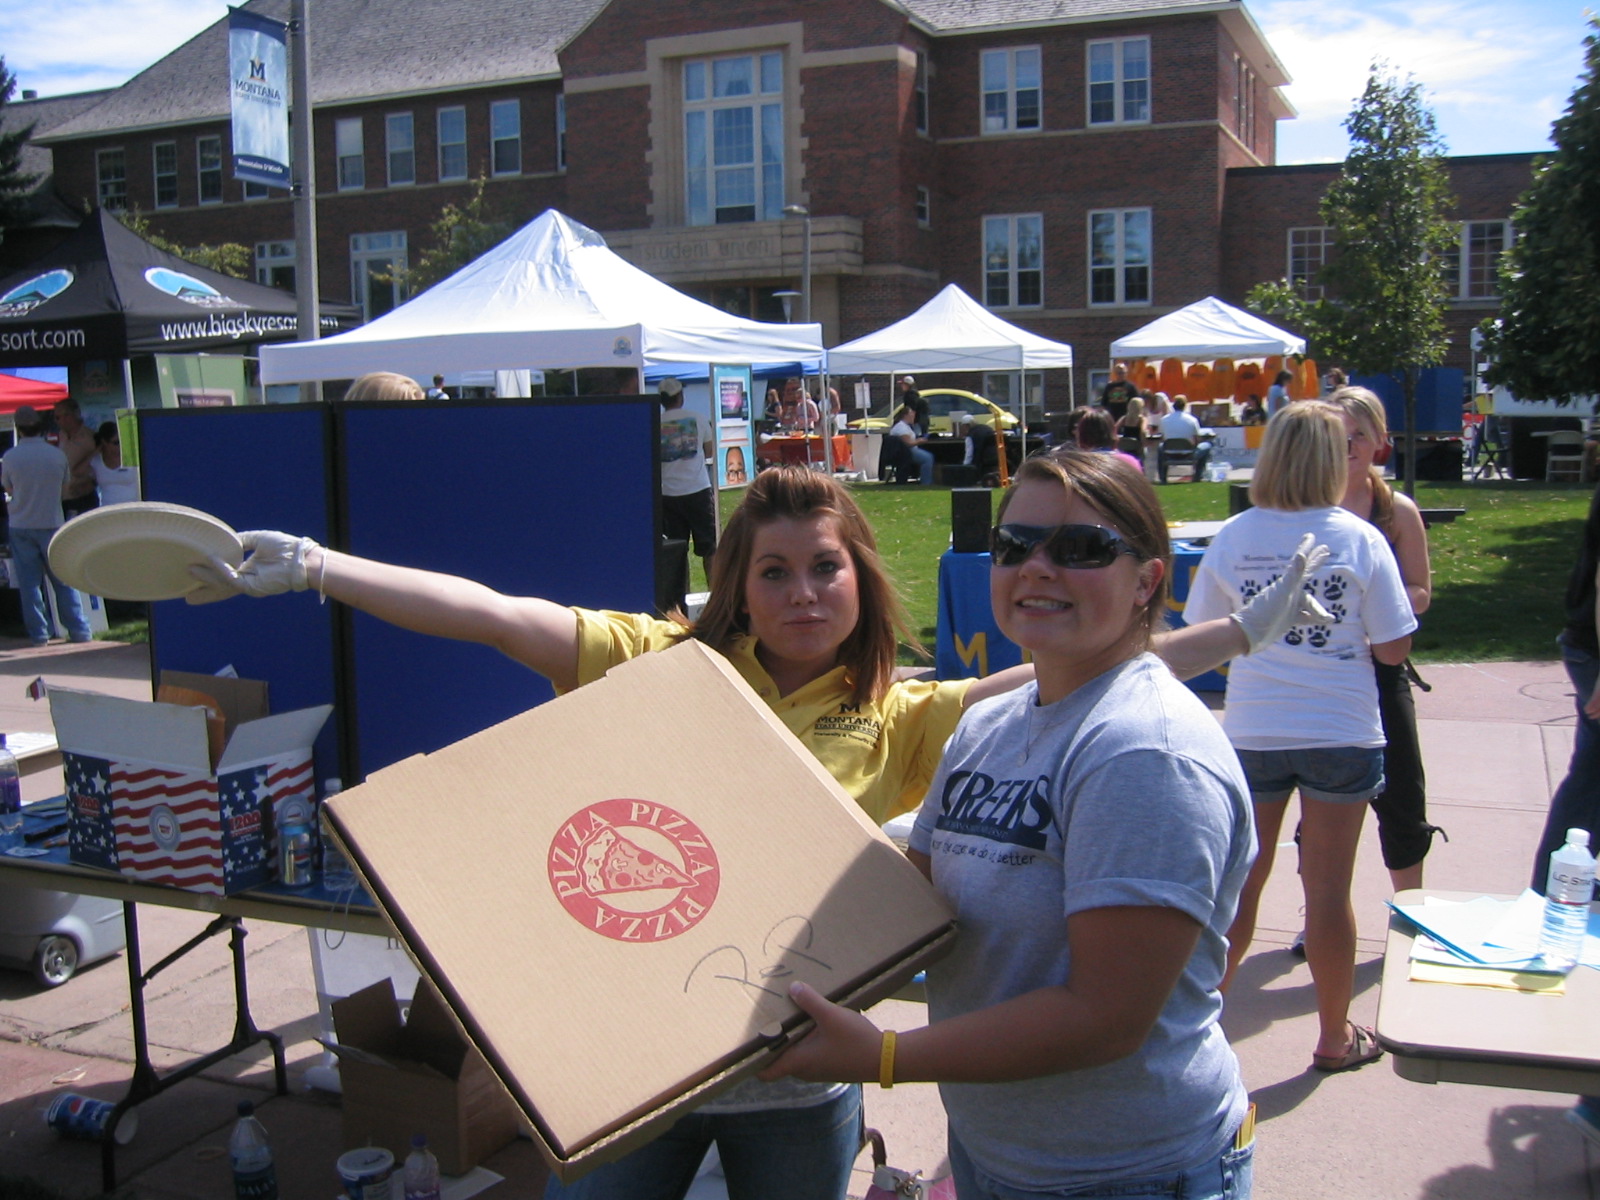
point(611, 863)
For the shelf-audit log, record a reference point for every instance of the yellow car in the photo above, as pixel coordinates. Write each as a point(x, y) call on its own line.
point(943, 403)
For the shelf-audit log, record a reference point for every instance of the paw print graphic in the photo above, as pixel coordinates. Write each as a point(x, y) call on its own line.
point(1319, 635)
point(1294, 637)
point(1338, 612)
point(1249, 590)
point(1333, 588)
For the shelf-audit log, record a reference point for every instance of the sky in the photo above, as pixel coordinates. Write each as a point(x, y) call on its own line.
point(1495, 72)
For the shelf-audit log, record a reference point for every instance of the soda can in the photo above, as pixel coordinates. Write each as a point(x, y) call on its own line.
point(295, 868)
point(367, 1173)
point(84, 1118)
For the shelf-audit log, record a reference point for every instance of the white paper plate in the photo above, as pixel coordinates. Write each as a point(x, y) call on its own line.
point(141, 550)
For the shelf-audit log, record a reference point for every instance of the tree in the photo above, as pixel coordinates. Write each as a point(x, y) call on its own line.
point(228, 258)
point(459, 234)
point(1390, 237)
point(15, 184)
point(1546, 341)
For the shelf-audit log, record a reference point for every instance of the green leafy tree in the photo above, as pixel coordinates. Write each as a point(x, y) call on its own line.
point(1387, 211)
point(458, 235)
point(1546, 342)
point(228, 258)
point(15, 183)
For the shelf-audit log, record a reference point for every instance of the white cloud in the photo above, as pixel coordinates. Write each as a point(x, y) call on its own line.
point(83, 44)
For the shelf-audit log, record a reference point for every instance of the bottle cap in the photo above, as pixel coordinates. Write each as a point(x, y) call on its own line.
point(1579, 837)
point(246, 1108)
point(419, 1140)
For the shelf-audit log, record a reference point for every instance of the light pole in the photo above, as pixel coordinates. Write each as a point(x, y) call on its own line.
point(800, 210)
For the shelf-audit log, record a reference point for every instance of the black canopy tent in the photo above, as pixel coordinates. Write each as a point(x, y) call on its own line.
point(105, 293)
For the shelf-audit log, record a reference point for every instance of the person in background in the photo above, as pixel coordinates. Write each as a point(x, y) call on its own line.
point(1115, 395)
point(1332, 380)
point(1156, 405)
point(688, 507)
point(77, 443)
point(772, 410)
point(1303, 713)
point(1253, 412)
point(911, 398)
point(384, 385)
point(34, 475)
point(1179, 424)
point(905, 431)
point(437, 392)
point(1069, 1062)
point(1134, 433)
point(118, 483)
point(1095, 435)
point(1278, 393)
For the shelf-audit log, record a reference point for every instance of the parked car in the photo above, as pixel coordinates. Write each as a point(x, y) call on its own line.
point(943, 404)
point(54, 933)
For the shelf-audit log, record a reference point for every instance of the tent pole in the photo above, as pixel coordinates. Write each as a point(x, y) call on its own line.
point(127, 381)
point(826, 410)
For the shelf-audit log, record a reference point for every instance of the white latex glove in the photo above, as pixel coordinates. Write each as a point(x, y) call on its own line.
point(1284, 602)
point(274, 563)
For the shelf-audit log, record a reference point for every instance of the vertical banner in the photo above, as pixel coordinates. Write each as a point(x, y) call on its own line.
point(732, 404)
point(258, 68)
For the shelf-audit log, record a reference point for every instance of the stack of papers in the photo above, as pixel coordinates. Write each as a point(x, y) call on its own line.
point(1487, 942)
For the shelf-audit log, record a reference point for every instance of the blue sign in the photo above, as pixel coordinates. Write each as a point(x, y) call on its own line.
point(258, 72)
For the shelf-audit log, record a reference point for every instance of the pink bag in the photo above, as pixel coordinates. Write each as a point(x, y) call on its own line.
point(891, 1183)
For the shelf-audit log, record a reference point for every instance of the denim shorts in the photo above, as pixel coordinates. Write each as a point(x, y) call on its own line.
point(1337, 774)
point(1228, 1176)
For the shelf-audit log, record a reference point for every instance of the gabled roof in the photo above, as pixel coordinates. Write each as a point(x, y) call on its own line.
point(358, 51)
point(46, 115)
point(953, 16)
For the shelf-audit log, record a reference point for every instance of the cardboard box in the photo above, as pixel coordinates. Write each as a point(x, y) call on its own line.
point(613, 891)
point(418, 1077)
point(147, 800)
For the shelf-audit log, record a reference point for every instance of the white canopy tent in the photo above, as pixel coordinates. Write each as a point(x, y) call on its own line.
point(1206, 329)
point(951, 332)
point(551, 296)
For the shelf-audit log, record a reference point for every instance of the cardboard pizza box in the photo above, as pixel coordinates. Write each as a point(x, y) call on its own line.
point(613, 891)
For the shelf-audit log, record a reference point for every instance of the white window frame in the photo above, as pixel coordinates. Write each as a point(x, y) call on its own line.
point(1023, 285)
point(924, 207)
point(1011, 114)
point(920, 98)
point(1460, 272)
point(212, 172)
point(256, 191)
point(1122, 267)
point(111, 178)
point(400, 148)
point(1244, 100)
point(1000, 387)
point(447, 142)
point(271, 257)
point(503, 134)
point(561, 131)
point(1306, 253)
point(350, 153)
point(169, 177)
point(712, 194)
point(366, 250)
point(1129, 93)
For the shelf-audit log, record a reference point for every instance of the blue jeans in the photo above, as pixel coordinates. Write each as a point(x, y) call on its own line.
point(28, 547)
point(1337, 774)
point(1576, 804)
point(924, 460)
point(774, 1154)
point(1225, 1177)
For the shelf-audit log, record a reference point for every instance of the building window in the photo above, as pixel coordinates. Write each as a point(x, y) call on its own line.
point(208, 166)
point(350, 148)
point(452, 143)
point(256, 191)
point(376, 260)
point(1244, 101)
point(1013, 261)
point(505, 137)
point(561, 132)
point(1119, 81)
point(1308, 253)
point(1001, 387)
point(111, 177)
point(733, 138)
point(166, 172)
point(275, 264)
point(1011, 90)
point(1119, 256)
point(924, 207)
point(399, 136)
point(1473, 271)
point(919, 95)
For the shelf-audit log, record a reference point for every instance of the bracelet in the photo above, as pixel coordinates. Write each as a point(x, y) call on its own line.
point(886, 1060)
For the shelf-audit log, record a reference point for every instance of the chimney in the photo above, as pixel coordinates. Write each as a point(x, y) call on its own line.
point(29, 94)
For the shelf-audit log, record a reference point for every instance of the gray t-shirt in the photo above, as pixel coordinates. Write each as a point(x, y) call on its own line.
point(1126, 792)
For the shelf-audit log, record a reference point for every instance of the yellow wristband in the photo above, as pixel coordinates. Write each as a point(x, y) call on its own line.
point(886, 1060)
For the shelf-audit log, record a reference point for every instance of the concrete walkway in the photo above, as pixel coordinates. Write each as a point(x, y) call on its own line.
point(1496, 738)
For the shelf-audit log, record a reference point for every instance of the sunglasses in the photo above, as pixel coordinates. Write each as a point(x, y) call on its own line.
point(1075, 547)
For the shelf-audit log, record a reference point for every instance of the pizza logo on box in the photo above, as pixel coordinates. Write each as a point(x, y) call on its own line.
point(633, 870)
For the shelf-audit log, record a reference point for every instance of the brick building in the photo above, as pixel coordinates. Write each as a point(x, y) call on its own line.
point(1080, 166)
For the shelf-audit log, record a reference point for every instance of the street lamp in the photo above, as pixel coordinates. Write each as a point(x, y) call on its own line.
point(788, 297)
point(800, 210)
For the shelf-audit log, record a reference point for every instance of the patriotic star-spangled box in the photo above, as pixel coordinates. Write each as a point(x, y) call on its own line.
point(144, 798)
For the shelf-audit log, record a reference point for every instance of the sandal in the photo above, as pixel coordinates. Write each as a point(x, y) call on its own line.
point(1363, 1049)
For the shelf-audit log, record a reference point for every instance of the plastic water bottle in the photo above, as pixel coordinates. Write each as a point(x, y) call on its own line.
point(421, 1171)
point(253, 1175)
point(337, 873)
point(1566, 902)
point(10, 798)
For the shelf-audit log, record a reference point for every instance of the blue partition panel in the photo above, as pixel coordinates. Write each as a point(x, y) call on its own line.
point(557, 499)
point(255, 468)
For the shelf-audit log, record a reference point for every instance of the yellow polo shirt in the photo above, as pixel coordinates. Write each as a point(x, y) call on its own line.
point(883, 754)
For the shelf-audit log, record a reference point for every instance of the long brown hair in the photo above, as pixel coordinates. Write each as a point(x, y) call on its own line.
point(798, 492)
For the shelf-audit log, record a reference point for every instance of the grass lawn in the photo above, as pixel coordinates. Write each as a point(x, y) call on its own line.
point(1499, 572)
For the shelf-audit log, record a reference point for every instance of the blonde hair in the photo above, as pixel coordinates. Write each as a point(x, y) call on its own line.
point(1303, 456)
point(384, 385)
point(1367, 410)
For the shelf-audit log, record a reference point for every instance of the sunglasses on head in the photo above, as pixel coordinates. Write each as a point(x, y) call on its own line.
point(1071, 546)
